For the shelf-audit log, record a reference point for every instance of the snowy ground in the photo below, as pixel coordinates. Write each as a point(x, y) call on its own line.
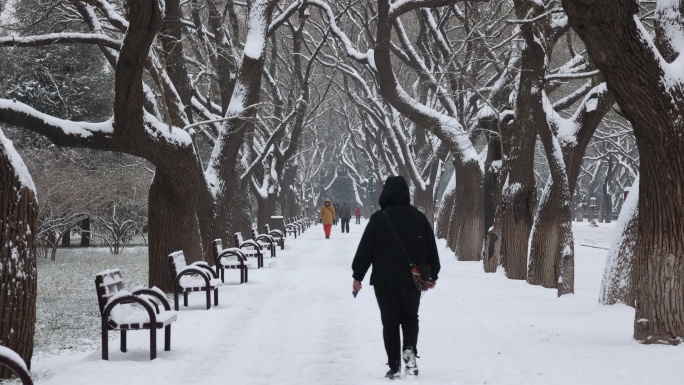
point(296, 322)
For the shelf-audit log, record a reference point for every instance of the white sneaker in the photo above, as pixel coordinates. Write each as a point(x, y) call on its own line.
point(410, 366)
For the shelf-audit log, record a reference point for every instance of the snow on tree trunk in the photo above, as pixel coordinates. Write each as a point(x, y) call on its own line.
point(492, 194)
point(516, 216)
point(18, 275)
point(617, 286)
point(446, 206)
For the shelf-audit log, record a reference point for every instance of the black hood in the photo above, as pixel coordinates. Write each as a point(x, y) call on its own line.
point(395, 191)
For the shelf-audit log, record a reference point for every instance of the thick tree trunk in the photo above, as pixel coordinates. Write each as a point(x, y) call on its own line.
point(171, 39)
point(516, 213)
point(265, 209)
point(288, 198)
point(652, 101)
point(617, 285)
point(469, 212)
point(426, 199)
point(492, 195)
point(551, 247)
point(66, 238)
point(85, 232)
point(18, 275)
point(519, 190)
point(659, 262)
point(173, 225)
point(446, 207)
point(607, 201)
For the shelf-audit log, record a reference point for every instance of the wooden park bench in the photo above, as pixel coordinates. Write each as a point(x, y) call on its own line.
point(198, 276)
point(250, 248)
point(265, 241)
point(118, 312)
point(10, 359)
point(231, 258)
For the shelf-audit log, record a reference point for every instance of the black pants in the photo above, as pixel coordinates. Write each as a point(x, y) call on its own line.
point(345, 224)
point(358, 220)
point(398, 309)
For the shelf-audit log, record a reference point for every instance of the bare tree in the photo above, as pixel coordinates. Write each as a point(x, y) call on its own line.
point(191, 201)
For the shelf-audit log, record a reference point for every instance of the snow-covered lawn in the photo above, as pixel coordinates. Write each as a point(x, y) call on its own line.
point(296, 322)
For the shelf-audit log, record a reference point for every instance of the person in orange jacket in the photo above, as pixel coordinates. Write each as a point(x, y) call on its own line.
point(327, 217)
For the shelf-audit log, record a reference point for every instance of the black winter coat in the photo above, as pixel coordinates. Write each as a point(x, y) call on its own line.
point(379, 247)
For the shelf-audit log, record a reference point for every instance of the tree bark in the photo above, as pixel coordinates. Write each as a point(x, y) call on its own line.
point(18, 275)
point(66, 238)
point(173, 226)
point(492, 196)
point(468, 221)
point(617, 285)
point(652, 101)
point(446, 207)
point(607, 201)
point(552, 244)
point(266, 207)
point(85, 232)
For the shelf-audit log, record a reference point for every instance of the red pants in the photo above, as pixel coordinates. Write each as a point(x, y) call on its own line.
point(327, 228)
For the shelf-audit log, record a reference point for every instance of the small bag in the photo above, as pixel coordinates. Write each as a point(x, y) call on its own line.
point(422, 277)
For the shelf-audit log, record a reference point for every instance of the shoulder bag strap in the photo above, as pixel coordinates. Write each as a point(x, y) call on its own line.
point(396, 235)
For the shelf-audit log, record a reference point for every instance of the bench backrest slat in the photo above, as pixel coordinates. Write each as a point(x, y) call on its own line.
point(108, 283)
point(177, 262)
point(217, 245)
point(238, 239)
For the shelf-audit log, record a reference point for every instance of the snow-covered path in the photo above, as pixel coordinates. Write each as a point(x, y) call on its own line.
point(296, 322)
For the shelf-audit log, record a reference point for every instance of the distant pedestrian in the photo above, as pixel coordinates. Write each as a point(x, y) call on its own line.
point(357, 214)
point(391, 276)
point(345, 216)
point(327, 217)
point(336, 206)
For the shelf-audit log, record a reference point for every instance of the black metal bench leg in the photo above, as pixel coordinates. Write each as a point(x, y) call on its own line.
point(153, 343)
point(208, 298)
point(123, 341)
point(216, 297)
point(175, 299)
point(105, 341)
point(185, 299)
point(167, 338)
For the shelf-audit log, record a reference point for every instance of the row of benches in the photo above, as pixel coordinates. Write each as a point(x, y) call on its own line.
point(114, 301)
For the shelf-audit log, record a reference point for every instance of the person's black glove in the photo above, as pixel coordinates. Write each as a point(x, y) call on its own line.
point(321, 220)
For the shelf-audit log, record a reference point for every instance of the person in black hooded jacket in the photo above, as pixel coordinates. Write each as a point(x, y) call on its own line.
point(391, 278)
